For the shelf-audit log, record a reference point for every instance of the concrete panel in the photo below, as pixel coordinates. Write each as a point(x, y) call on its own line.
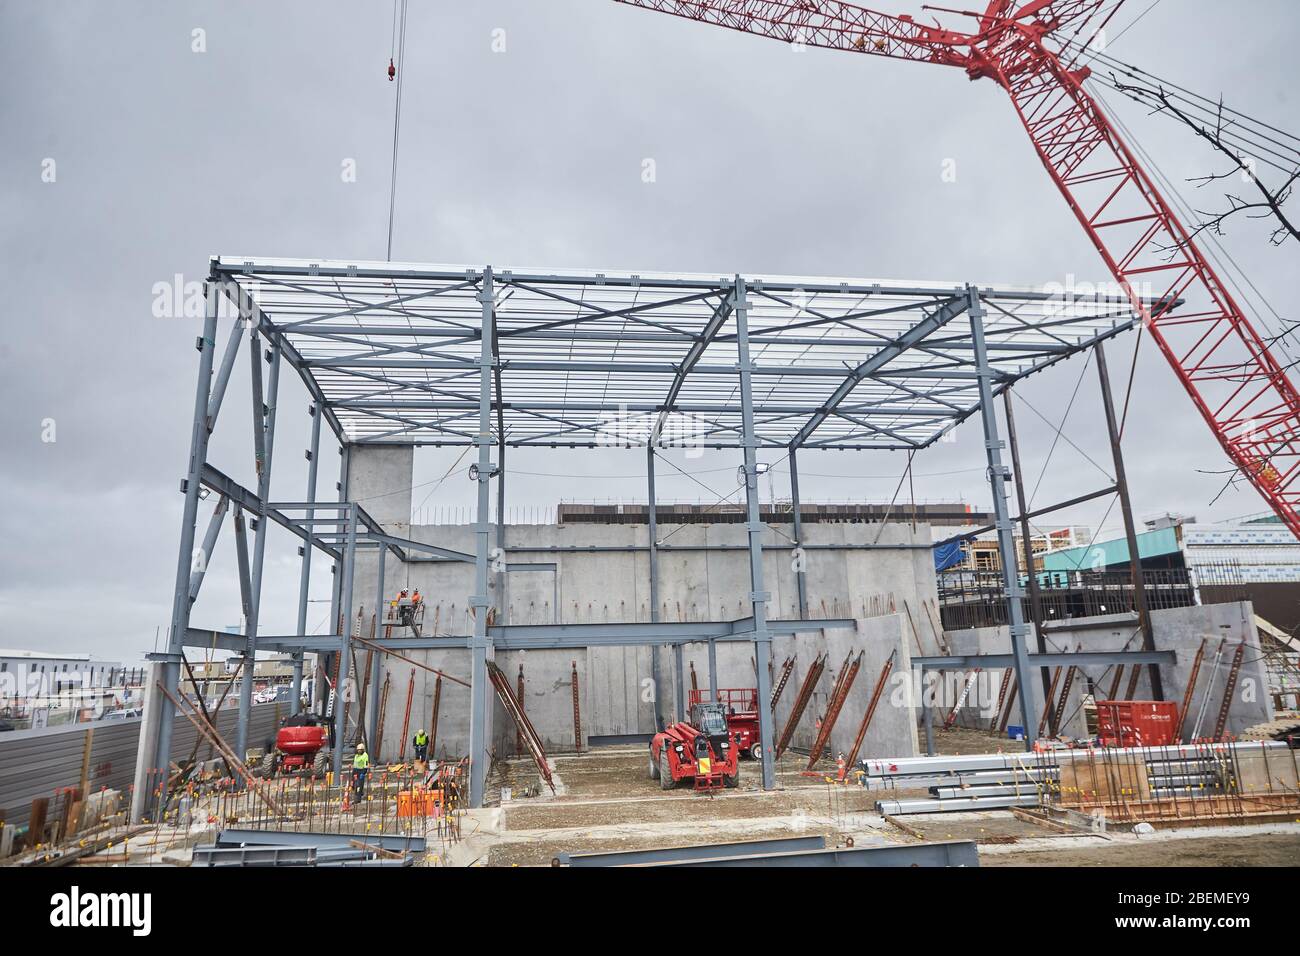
point(1174, 629)
point(379, 479)
point(613, 586)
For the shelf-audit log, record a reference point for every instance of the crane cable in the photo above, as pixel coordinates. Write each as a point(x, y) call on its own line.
point(1236, 133)
point(396, 61)
point(1213, 244)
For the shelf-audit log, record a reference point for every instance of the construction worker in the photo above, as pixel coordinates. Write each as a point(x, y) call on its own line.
point(841, 766)
point(360, 770)
point(421, 742)
point(403, 608)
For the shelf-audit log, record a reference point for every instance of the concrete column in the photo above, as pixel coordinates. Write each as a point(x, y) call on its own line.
point(148, 744)
point(758, 596)
point(999, 475)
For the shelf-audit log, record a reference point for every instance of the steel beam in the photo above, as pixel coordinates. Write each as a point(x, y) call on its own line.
point(223, 375)
point(673, 854)
point(209, 543)
point(211, 478)
point(912, 337)
point(1077, 658)
point(525, 637)
point(961, 853)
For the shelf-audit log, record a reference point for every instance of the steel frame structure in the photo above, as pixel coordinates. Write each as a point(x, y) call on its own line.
point(396, 353)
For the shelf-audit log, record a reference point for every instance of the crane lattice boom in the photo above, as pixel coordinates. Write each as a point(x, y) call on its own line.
point(1235, 382)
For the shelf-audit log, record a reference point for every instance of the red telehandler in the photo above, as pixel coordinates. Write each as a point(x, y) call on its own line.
point(701, 749)
point(741, 707)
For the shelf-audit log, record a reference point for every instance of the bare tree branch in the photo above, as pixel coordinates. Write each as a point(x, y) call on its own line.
point(1273, 200)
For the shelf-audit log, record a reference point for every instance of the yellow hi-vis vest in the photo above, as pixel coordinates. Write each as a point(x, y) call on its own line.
point(421, 740)
point(361, 761)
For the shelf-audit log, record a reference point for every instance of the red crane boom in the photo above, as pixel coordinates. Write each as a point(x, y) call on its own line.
point(1235, 382)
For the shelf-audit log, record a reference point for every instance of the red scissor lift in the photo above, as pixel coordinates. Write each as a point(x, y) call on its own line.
point(741, 704)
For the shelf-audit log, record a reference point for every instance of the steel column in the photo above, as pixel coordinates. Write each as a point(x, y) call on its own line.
point(264, 431)
point(200, 428)
point(304, 578)
point(1035, 600)
point(800, 573)
point(480, 644)
point(340, 701)
point(1130, 531)
point(372, 695)
point(927, 713)
point(998, 477)
point(652, 520)
point(758, 597)
point(336, 570)
point(713, 670)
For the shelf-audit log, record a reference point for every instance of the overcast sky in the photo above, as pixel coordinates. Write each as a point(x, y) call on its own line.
point(135, 148)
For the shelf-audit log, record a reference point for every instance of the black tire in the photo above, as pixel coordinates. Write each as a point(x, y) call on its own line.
point(756, 752)
point(321, 764)
point(654, 766)
point(267, 768)
point(733, 781)
point(666, 781)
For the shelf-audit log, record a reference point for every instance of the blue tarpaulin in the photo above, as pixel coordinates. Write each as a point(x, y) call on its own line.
point(947, 555)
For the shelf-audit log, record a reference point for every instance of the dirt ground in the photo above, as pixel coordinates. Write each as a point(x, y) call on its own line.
point(964, 740)
point(1259, 850)
point(605, 800)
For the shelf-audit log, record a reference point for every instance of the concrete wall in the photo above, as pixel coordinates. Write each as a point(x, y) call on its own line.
point(1175, 629)
point(579, 585)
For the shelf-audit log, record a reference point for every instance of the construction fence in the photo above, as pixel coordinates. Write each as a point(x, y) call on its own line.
point(38, 763)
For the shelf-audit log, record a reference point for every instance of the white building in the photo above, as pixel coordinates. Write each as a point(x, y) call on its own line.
point(25, 675)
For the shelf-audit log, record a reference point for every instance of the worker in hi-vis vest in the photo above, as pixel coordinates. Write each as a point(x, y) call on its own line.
point(360, 770)
point(421, 742)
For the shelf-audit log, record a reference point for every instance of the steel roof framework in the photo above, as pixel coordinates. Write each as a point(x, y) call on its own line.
point(603, 358)
point(414, 354)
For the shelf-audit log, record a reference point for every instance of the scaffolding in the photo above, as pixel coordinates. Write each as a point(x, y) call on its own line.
point(492, 359)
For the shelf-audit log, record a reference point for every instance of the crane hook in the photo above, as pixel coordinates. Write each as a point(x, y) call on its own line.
point(392, 71)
